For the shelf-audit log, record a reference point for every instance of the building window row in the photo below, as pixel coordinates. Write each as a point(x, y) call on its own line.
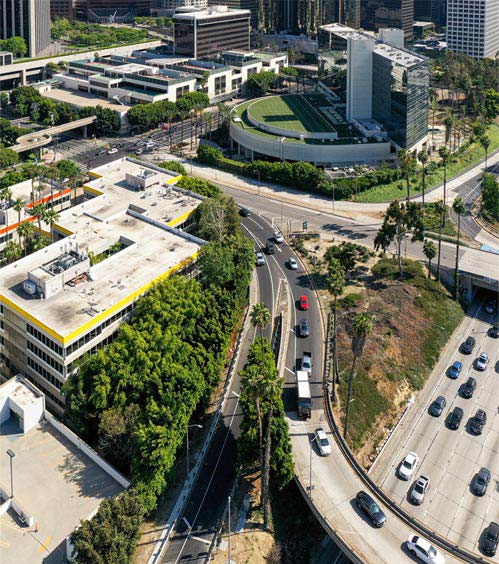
point(98, 330)
point(46, 358)
point(47, 392)
point(44, 373)
point(39, 336)
point(73, 365)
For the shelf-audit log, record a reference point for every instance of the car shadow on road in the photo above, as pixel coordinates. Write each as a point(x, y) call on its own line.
point(408, 553)
point(360, 513)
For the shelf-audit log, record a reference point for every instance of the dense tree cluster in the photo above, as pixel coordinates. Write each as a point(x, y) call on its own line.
point(27, 101)
point(136, 396)
point(9, 133)
point(85, 34)
point(149, 116)
point(259, 84)
point(110, 537)
point(154, 21)
point(15, 45)
point(348, 254)
point(199, 186)
point(490, 198)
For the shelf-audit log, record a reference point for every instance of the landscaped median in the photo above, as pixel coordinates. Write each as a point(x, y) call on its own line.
point(413, 319)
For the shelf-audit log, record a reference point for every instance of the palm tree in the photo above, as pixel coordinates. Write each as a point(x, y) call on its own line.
point(51, 216)
point(336, 285)
point(430, 252)
point(13, 251)
point(18, 206)
point(260, 317)
point(25, 232)
point(362, 326)
point(423, 159)
point(444, 155)
point(251, 383)
point(406, 161)
point(440, 210)
point(38, 210)
point(6, 196)
point(485, 143)
point(272, 391)
point(459, 208)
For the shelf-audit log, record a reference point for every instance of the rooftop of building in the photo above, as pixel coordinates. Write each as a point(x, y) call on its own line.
point(140, 223)
point(80, 99)
point(212, 12)
point(47, 467)
point(401, 57)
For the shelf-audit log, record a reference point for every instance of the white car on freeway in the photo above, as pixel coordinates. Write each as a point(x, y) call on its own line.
point(408, 465)
point(293, 265)
point(424, 550)
point(419, 490)
point(322, 442)
point(278, 238)
point(260, 259)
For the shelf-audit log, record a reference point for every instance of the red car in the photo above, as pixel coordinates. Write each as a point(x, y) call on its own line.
point(304, 303)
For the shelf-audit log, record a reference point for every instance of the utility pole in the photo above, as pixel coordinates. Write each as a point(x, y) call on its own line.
point(229, 560)
point(11, 456)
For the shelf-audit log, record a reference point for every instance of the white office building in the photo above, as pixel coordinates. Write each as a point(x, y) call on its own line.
point(473, 27)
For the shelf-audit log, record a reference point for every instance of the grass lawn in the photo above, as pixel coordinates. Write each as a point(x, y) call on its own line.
point(289, 112)
point(472, 155)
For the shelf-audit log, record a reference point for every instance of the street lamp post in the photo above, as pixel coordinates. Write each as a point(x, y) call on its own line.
point(310, 477)
point(187, 444)
point(11, 456)
point(229, 559)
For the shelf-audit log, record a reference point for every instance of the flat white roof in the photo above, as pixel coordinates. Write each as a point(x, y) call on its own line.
point(145, 221)
point(212, 13)
point(480, 263)
point(20, 391)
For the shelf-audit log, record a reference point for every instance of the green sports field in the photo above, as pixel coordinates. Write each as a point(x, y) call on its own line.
point(292, 112)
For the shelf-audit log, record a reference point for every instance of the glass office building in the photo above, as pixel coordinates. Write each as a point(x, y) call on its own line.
point(377, 14)
point(400, 97)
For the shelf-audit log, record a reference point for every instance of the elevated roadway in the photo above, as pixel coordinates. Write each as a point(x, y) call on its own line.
point(37, 139)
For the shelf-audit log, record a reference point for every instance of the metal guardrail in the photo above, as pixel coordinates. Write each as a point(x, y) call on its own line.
point(410, 521)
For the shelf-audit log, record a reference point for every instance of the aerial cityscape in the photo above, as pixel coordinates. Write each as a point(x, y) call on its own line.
point(249, 281)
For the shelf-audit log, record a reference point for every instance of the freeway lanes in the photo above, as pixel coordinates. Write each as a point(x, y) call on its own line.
point(451, 458)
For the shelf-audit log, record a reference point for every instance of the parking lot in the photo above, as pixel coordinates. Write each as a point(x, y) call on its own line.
point(451, 458)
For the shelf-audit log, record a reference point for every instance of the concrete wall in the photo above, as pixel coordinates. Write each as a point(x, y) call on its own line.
point(90, 452)
point(330, 155)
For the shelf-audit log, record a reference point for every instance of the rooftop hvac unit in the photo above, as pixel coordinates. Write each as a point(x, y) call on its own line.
point(29, 287)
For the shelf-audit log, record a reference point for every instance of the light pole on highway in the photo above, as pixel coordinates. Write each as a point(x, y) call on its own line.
point(310, 477)
point(187, 444)
point(11, 456)
point(229, 560)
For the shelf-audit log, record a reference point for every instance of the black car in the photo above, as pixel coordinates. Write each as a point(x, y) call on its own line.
point(303, 328)
point(270, 248)
point(244, 212)
point(365, 502)
point(491, 539)
point(437, 406)
point(481, 482)
point(468, 345)
point(494, 332)
point(478, 422)
point(468, 388)
point(454, 418)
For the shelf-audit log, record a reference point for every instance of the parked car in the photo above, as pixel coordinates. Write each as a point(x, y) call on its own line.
point(278, 238)
point(303, 330)
point(303, 303)
point(260, 259)
point(481, 482)
point(269, 247)
point(469, 388)
point(112, 151)
point(437, 406)
point(491, 539)
point(490, 306)
point(468, 345)
point(494, 332)
point(454, 418)
point(367, 504)
point(419, 490)
point(455, 369)
point(293, 265)
point(478, 422)
point(408, 465)
point(424, 550)
point(244, 212)
point(322, 442)
point(139, 151)
point(482, 361)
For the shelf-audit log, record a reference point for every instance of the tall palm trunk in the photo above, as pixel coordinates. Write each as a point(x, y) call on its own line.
point(439, 250)
point(349, 396)
point(423, 194)
point(456, 272)
point(399, 249)
point(429, 268)
point(266, 468)
point(336, 372)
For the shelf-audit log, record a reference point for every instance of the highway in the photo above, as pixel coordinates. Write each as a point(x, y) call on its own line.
point(451, 458)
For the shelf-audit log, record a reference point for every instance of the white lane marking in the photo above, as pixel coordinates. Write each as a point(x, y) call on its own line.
point(199, 539)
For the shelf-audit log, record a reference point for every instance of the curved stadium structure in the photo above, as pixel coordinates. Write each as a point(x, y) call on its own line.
point(305, 127)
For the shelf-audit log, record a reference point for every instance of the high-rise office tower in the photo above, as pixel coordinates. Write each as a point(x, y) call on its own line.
point(251, 5)
point(473, 27)
point(62, 9)
point(206, 33)
point(29, 19)
point(376, 14)
point(430, 11)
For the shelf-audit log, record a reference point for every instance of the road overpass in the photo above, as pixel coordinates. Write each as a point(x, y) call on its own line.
point(37, 139)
